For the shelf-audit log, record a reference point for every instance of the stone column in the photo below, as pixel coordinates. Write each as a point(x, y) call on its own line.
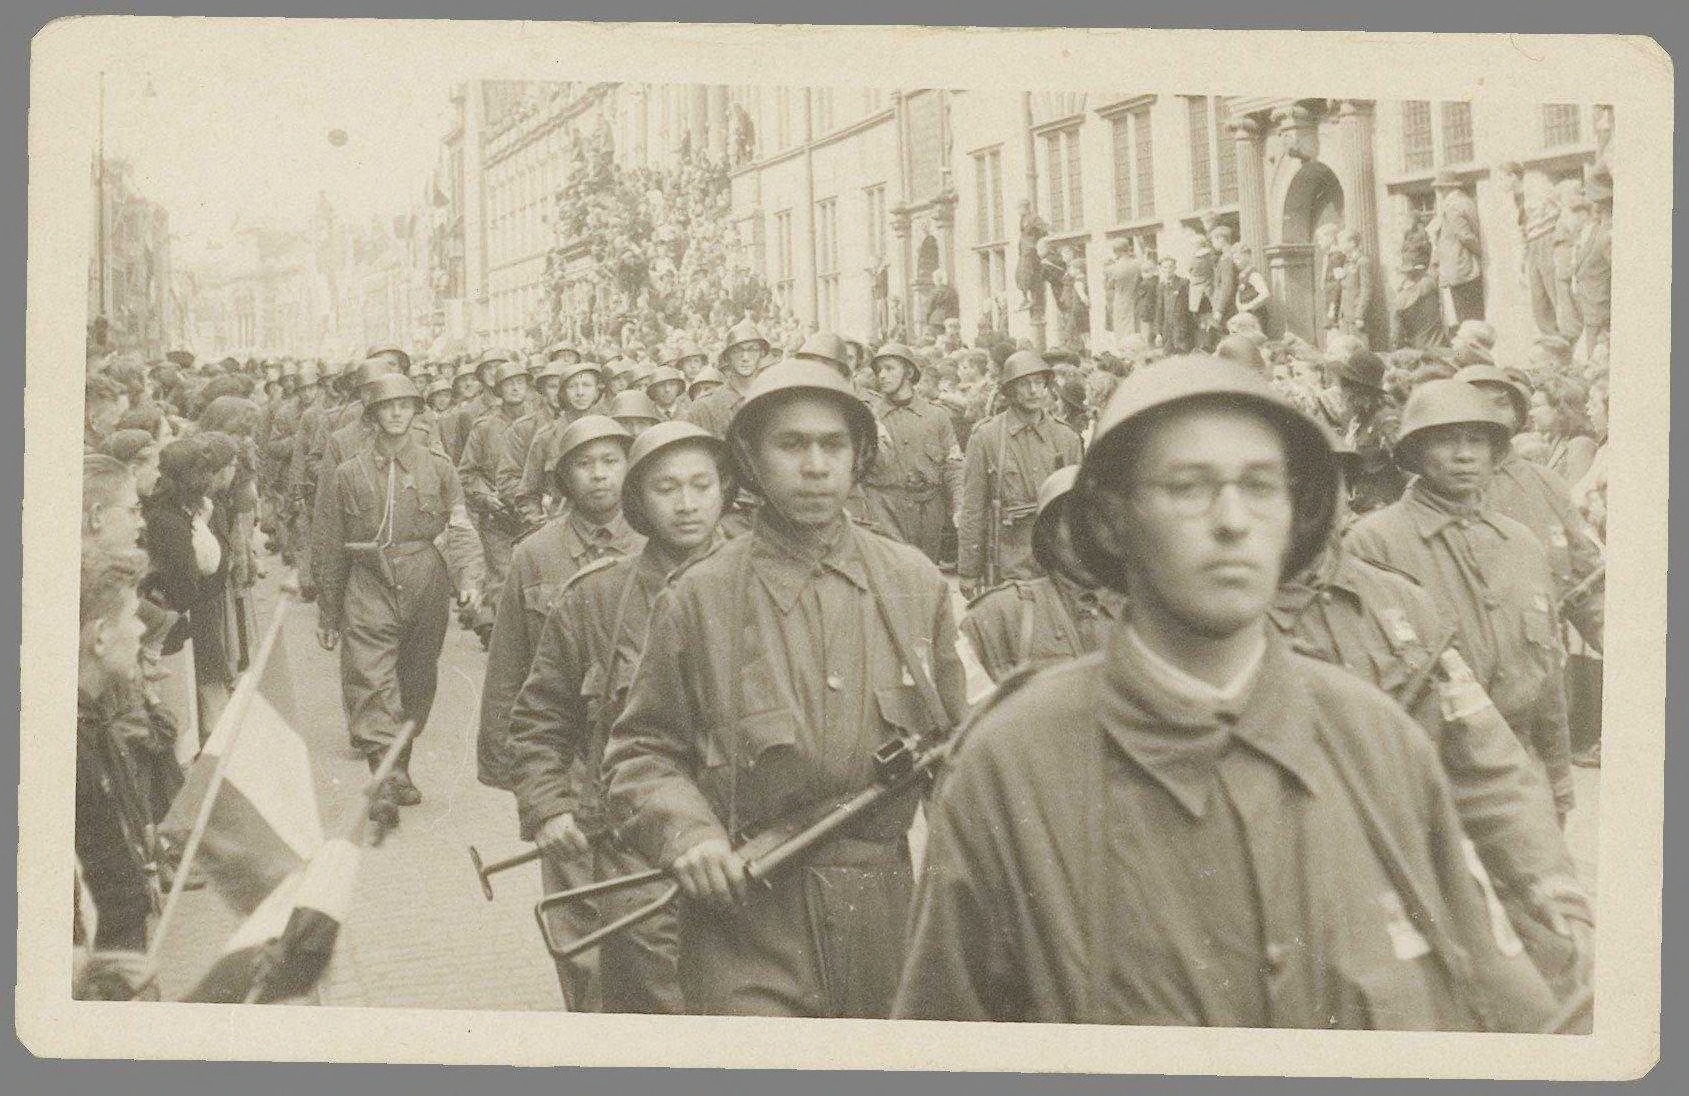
point(900, 274)
point(1251, 188)
point(1355, 170)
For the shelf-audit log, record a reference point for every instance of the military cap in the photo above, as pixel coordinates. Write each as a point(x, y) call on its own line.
point(825, 347)
point(1445, 403)
point(1024, 363)
point(508, 370)
point(655, 440)
point(585, 429)
point(794, 376)
point(742, 333)
point(575, 369)
point(1189, 380)
point(633, 403)
point(389, 387)
point(1489, 374)
point(709, 374)
point(898, 352)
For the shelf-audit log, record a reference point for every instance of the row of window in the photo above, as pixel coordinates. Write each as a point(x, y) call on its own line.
point(1447, 130)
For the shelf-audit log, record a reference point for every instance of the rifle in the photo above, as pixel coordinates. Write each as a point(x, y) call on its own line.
point(898, 766)
point(994, 516)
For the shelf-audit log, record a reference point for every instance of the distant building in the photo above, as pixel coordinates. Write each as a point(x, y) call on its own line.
point(129, 271)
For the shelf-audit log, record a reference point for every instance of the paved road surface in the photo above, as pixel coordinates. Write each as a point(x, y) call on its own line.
point(420, 934)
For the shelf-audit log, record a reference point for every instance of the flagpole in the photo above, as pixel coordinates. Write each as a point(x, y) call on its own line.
point(236, 710)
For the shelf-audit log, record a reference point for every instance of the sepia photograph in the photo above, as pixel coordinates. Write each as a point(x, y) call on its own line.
point(605, 527)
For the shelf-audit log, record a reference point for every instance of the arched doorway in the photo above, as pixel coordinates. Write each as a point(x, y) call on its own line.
point(1312, 201)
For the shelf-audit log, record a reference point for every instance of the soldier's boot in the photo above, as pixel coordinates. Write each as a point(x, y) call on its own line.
point(383, 807)
point(405, 793)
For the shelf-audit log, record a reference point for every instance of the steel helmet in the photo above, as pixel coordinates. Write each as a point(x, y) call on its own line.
point(1144, 395)
point(741, 333)
point(1242, 350)
point(1445, 403)
point(827, 348)
point(439, 386)
point(388, 387)
point(1023, 363)
point(634, 376)
point(570, 372)
point(681, 352)
point(663, 374)
point(663, 436)
point(547, 370)
point(901, 353)
point(1491, 374)
point(793, 376)
point(1050, 544)
point(486, 365)
point(508, 370)
point(561, 349)
point(709, 374)
point(368, 371)
point(633, 403)
point(585, 429)
point(381, 349)
point(534, 364)
point(309, 374)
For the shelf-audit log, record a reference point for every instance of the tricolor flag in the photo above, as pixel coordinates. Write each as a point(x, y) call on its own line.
point(263, 825)
point(247, 817)
point(281, 950)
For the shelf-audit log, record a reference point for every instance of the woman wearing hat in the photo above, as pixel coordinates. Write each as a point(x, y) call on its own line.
point(386, 583)
point(676, 485)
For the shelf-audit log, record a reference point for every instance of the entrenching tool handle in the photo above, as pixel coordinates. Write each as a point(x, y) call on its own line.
point(592, 939)
point(485, 872)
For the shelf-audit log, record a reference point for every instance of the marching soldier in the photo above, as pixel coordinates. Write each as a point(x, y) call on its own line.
point(739, 362)
point(455, 423)
point(478, 468)
point(667, 389)
point(384, 518)
point(587, 464)
point(439, 398)
point(635, 411)
point(913, 485)
point(301, 471)
point(1029, 621)
point(673, 493)
point(1008, 456)
point(1487, 573)
point(1194, 825)
point(774, 669)
point(1537, 497)
point(1383, 626)
point(582, 392)
point(706, 380)
point(519, 439)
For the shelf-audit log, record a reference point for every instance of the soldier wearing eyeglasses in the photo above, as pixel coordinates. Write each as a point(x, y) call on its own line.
point(1196, 825)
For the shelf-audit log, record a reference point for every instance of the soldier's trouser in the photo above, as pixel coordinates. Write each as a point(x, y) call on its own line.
point(918, 518)
point(826, 940)
point(634, 971)
point(390, 640)
point(497, 541)
point(1539, 275)
point(301, 539)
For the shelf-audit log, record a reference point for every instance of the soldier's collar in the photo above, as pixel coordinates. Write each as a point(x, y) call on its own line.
point(786, 564)
point(1431, 513)
point(1178, 742)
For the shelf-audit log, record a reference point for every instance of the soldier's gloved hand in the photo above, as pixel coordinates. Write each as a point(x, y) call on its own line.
point(561, 838)
point(469, 600)
point(328, 638)
point(711, 872)
point(969, 588)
